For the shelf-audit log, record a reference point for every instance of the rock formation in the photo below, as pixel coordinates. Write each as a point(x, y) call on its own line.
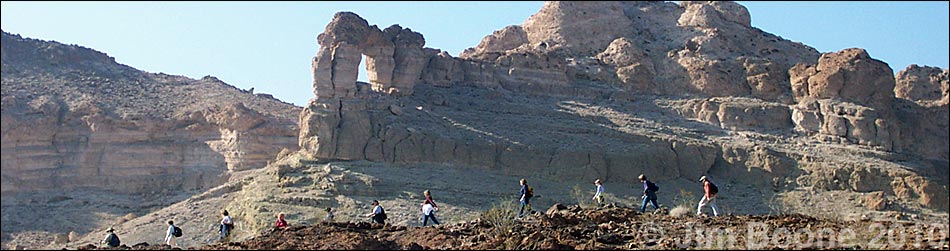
point(580, 91)
point(917, 83)
point(560, 99)
point(702, 48)
point(394, 57)
point(74, 118)
point(851, 75)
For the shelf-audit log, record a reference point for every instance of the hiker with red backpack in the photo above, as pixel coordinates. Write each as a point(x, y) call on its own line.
point(649, 193)
point(709, 197)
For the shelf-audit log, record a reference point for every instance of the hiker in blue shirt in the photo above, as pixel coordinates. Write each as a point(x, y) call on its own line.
point(599, 193)
point(649, 193)
point(526, 194)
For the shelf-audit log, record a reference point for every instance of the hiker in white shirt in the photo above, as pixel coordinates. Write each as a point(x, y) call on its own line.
point(170, 234)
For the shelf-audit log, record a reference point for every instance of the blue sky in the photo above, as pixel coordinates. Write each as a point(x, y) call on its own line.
point(269, 45)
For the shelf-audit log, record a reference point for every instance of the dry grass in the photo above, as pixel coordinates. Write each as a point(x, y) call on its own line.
point(683, 204)
point(501, 217)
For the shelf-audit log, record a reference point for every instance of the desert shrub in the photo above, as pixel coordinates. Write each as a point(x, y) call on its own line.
point(501, 217)
point(583, 197)
point(683, 203)
point(685, 199)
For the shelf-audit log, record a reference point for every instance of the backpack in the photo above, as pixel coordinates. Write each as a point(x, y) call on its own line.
point(114, 240)
point(382, 214)
point(713, 188)
point(652, 186)
point(530, 192)
point(176, 232)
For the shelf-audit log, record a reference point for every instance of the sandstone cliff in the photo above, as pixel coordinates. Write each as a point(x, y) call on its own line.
point(74, 118)
point(572, 96)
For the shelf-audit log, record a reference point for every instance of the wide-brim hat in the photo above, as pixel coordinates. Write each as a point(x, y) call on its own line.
point(110, 229)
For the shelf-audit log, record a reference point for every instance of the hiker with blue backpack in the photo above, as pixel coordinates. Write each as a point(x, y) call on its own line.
point(112, 240)
point(649, 193)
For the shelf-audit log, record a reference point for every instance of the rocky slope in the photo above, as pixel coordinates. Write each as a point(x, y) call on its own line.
point(575, 228)
point(77, 122)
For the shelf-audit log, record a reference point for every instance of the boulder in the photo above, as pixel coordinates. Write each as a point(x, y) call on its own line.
point(714, 14)
point(850, 74)
point(569, 24)
point(923, 83)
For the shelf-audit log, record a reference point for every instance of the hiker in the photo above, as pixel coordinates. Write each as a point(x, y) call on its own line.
point(649, 193)
point(599, 193)
point(428, 209)
point(227, 224)
point(112, 240)
point(170, 234)
point(379, 214)
point(329, 217)
point(526, 193)
point(280, 223)
point(709, 196)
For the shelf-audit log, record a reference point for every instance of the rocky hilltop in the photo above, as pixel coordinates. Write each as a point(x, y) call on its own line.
point(75, 121)
point(580, 91)
point(74, 118)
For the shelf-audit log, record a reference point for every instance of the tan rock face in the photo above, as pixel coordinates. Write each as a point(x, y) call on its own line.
point(395, 58)
point(622, 52)
point(695, 47)
point(847, 121)
point(48, 145)
point(849, 74)
point(88, 122)
point(714, 14)
point(568, 24)
point(738, 113)
point(923, 83)
point(500, 41)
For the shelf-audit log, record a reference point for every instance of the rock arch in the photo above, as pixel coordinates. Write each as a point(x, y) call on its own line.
point(394, 57)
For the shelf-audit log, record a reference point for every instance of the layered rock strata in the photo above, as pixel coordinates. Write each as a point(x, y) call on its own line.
point(74, 118)
point(492, 106)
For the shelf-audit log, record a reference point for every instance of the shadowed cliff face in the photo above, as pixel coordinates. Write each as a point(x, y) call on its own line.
point(74, 118)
